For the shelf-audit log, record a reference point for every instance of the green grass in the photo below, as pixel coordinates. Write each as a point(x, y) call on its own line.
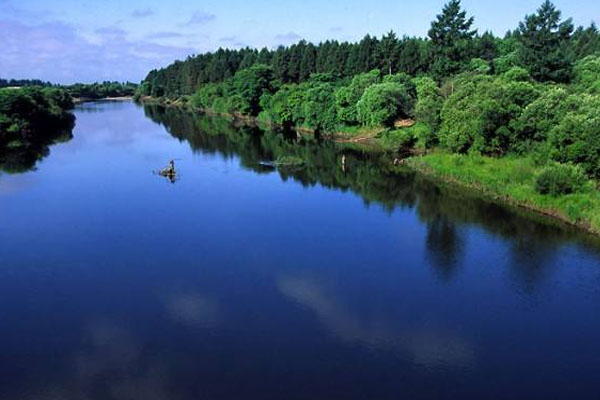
point(513, 179)
point(393, 139)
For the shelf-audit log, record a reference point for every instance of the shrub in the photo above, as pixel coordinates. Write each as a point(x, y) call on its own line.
point(479, 115)
point(347, 97)
point(560, 179)
point(428, 107)
point(383, 103)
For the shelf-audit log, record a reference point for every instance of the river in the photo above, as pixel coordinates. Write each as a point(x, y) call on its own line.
point(239, 280)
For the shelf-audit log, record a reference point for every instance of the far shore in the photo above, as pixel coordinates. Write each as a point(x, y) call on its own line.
point(80, 100)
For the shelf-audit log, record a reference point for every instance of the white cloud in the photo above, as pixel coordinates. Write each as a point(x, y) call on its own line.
point(201, 17)
point(56, 52)
point(286, 38)
point(142, 13)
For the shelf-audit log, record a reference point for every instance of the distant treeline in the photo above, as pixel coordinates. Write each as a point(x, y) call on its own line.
point(101, 90)
point(23, 82)
point(548, 52)
point(534, 93)
point(92, 91)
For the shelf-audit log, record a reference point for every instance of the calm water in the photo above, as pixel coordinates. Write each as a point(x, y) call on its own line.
point(240, 281)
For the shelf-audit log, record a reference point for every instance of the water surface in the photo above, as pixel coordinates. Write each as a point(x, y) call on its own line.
point(241, 281)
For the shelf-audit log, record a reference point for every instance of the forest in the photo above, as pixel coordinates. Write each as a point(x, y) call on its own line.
point(534, 91)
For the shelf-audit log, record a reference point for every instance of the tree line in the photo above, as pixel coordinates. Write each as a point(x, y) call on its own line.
point(543, 44)
point(536, 91)
point(97, 90)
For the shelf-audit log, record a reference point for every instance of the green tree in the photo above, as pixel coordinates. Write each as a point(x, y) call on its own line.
point(387, 52)
point(428, 107)
point(250, 84)
point(544, 43)
point(451, 40)
point(587, 75)
point(347, 97)
point(318, 106)
point(585, 42)
point(480, 114)
point(308, 63)
point(383, 103)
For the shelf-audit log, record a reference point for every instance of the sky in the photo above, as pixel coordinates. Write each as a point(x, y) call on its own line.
point(67, 41)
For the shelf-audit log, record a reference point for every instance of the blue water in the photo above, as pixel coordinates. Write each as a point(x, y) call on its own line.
point(238, 281)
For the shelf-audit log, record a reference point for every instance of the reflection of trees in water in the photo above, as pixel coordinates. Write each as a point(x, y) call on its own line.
point(23, 155)
point(443, 208)
point(530, 261)
point(444, 247)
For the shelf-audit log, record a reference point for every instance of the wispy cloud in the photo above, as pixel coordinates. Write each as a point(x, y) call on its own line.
point(233, 41)
point(284, 38)
point(58, 53)
point(142, 13)
point(201, 17)
point(110, 31)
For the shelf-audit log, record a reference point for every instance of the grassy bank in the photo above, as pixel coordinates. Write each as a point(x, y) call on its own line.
point(512, 180)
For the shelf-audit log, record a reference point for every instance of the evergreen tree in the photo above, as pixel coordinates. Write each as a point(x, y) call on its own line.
point(308, 63)
point(585, 42)
point(544, 43)
point(452, 40)
point(413, 58)
point(387, 52)
point(486, 47)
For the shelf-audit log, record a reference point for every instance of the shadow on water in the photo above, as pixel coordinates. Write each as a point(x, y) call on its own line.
point(120, 290)
point(23, 154)
point(444, 210)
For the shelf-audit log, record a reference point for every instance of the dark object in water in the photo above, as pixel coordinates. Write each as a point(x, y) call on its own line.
point(169, 172)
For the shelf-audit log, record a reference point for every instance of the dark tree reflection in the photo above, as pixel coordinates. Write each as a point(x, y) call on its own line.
point(22, 156)
point(444, 209)
point(444, 247)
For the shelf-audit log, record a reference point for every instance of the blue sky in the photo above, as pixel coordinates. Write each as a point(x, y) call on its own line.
point(88, 40)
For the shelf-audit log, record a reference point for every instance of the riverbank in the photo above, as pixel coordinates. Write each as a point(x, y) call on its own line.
point(372, 139)
point(81, 100)
point(511, 180)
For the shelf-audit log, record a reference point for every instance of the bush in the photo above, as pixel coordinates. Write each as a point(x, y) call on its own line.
point(428, 108)
point(347, 97)
point(576, 137)
point(383, 103)
point(481, 113)
point(560, 179)
point(587, 74)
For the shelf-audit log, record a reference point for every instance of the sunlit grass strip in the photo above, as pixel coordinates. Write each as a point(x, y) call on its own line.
point(512, 179)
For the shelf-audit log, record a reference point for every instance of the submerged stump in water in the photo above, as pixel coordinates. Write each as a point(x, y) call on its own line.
point(169, 172)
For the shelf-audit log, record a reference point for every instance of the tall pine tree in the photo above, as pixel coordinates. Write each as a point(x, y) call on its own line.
point(452, 40)
point(544, 42)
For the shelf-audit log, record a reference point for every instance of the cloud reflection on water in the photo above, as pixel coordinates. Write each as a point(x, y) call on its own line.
point(427, 346)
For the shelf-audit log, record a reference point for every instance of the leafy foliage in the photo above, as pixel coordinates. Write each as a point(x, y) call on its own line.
point(32, 118)
point(543, 46)
point(428, 107)
point(452, 40)
point(347, 97)
point(383, 103)
point(536, 91)
point(479, 116)
point(560, 179)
